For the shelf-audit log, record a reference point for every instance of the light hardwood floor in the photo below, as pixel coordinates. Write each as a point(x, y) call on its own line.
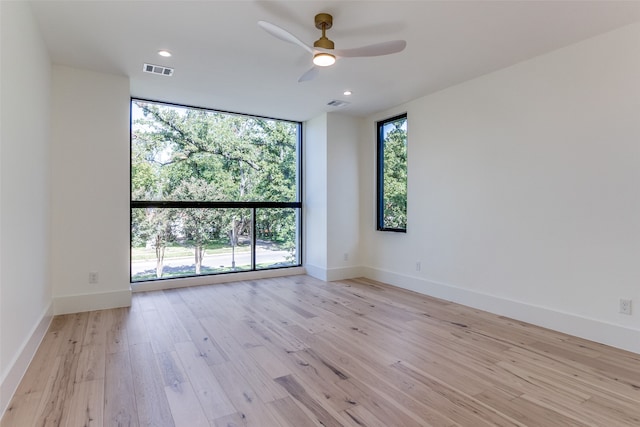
point(301, 352)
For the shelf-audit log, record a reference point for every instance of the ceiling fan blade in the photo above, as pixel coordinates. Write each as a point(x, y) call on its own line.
point(377, 49)
point(311, 74)
point(282, 34)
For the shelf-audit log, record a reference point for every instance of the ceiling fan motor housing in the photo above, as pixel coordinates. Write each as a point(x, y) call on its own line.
point(324, 21)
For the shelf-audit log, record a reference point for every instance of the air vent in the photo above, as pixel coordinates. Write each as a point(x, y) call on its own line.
point(337, 103)
point(157, 69)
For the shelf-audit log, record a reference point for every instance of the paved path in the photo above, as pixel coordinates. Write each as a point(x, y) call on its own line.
point(214, 261)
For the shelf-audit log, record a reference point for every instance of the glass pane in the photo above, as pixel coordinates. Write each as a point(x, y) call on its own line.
point(394, 177)
point(171, 242)
point(276, 237)
point(182, 153)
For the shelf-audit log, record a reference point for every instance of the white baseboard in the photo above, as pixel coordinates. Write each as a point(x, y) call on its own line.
point(19, 365)
point(343, 273)
point(315, 271)
point(159, 285)
point(568, 323)
point(88, 302)
point(333, 274)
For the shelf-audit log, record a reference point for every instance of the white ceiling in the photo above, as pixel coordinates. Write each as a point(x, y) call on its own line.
point(223, 60)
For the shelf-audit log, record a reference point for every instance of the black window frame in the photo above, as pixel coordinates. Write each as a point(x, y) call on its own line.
point(133, 204)
point(380, 174)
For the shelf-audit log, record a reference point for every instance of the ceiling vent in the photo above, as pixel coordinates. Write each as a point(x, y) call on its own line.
point(337, 103)
point(157, 69)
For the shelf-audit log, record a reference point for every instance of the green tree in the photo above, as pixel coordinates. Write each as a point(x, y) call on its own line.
point(154, 226)
point(201, 226)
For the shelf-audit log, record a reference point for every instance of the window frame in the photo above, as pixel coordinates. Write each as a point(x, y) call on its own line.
point(253, 205)
point(380, 174)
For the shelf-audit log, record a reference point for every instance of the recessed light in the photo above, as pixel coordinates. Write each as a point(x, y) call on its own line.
point(164, 53)
point(347, 92)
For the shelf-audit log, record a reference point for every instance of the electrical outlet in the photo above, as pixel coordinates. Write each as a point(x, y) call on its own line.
point(93, 277)
point(418, 266)
point(345, 257)
point(625, 306)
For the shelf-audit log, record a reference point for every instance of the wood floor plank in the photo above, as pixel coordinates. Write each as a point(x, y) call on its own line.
point(253, 373)
point(171, 368)
point(572, 410)
point(120, 407)
point(299, 393)
point(198, 300)
point(185, 406)
point(613, 410)
point(53, 409)
point(591, 380)
point(308, 371)
point(532, 414)
point(86, 404)
point(22, 410)
point(91, 363)
point(161, 342)
point(233, 420)
point(362, 417)
point(203, 340)
point(453, 403)
point(289, 413)
point(296, 352)
point(134, 324)
point(268, 361)
point(613, 370)
point(209, 392)
point(74, 332)
point(384, 409)
point(242, 395)
point(170, 322)
point(97, 325)
point(151, 401)
point(117, 339)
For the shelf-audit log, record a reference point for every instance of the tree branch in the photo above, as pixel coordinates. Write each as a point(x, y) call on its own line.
point(196, 143)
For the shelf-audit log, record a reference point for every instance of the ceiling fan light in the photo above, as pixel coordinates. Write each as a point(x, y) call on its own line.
point(324, 59)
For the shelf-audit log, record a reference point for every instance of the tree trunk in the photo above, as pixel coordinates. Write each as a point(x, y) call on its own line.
point(199, 250)
point(159, 257)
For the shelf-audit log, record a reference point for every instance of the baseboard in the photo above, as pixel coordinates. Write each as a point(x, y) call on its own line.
point(88, 302)
point(343, 273)
point(317, 272)
point(19, 365)
point(215, 279)
point(591, 329)
point(333, 274)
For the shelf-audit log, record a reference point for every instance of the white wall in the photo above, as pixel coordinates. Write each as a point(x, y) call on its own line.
point(25, 287)
point(314, 168)
point(331, 203)
point(343, 186)
point(90, 196)
point(523, 191)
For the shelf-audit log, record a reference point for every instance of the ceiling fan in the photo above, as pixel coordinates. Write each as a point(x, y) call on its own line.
point(323, 51)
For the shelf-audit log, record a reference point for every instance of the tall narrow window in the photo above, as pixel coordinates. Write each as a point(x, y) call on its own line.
point(212, 192)
point(392, 174)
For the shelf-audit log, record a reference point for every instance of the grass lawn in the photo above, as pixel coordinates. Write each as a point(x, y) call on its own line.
point(149, 254)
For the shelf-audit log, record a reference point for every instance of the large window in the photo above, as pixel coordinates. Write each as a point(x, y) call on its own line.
point(392, 174)
point(212, 192)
